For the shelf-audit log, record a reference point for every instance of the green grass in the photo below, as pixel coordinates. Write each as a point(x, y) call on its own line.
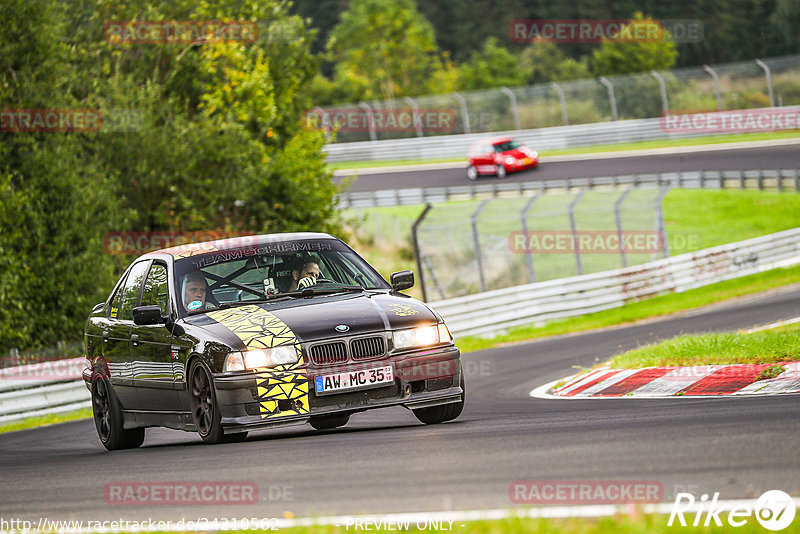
point(43, 420)
point(635, 311)
point(619, 524)
point(641, 145)
point(714, 349)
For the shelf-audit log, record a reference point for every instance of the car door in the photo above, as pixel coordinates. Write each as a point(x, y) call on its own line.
point(152, 350)
point(117, 349)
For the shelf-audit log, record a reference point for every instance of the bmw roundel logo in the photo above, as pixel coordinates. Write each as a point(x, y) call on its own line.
point(342, 328)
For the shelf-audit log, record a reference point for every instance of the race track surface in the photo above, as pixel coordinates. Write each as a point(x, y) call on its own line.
point(385, 461)
point(775, 157)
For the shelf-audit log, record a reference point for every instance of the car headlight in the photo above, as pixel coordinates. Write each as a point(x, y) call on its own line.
point(253, 359)
point(421, 336)
point(510, 160)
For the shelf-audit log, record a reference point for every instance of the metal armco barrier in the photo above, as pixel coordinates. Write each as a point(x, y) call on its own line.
point(553, 138)
point(42, 389)
point(492, 311)
point(758, 179)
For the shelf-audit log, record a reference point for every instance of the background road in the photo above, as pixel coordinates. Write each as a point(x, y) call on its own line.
point(776, 157)
point(385, 461)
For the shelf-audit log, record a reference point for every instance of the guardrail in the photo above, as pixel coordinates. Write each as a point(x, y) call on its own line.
point(761, 179)
point(41, 389)
point(553, 138)
point(492, 311)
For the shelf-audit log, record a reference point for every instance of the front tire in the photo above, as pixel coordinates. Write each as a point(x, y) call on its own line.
point(327, 422)
point(446, 412)
point(108, 418)
point(205, 410)
point(501, 171)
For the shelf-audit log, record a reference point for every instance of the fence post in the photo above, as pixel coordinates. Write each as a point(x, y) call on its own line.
point(514, 110)
point(573, 227)
point(464, 111)
point(660, 226)
point(474, 221)
point(371, 117)
point(524, 220)
point(415, 117)
point(611, 98)
point(417, 252)
point(714, 77)
point(563, 100)
point(768, 76)
point(618, 220)
point(663, 87)
point(327, 125)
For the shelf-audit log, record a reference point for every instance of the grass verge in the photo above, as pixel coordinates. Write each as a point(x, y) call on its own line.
point(635, 311)
point(641, 145)
point(716, 349)
point(43, 420)
point(619, 524)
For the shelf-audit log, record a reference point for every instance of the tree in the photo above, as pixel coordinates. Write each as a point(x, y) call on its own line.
point(386, 47)
point(492, 66)
point(543, 62)
point(622, 55)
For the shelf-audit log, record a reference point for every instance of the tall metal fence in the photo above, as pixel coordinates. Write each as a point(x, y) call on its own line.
point(475, 246)
point(482, 237)
point(735, 86)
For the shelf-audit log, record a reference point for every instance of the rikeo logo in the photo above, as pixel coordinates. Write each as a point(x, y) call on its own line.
point(774, 510)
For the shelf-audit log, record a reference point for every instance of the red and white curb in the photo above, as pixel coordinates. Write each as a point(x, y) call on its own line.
point(659, 382)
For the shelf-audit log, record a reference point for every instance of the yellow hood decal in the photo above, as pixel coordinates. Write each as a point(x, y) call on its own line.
point(260, 329)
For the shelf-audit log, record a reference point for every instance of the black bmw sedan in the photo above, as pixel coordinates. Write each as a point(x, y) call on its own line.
point(246, 333)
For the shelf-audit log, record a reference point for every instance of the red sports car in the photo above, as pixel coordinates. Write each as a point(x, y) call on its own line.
point(499, 156)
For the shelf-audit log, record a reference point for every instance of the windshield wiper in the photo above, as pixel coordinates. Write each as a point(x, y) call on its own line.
point(309, 292)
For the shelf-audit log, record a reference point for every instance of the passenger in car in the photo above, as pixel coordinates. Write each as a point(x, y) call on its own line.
point(194, 291)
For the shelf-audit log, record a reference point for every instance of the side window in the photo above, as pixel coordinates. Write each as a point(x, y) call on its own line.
point(116, 300)
point(155, 288)
point(130, 294)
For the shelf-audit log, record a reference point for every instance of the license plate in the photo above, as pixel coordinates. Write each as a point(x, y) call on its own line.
point(364, 378)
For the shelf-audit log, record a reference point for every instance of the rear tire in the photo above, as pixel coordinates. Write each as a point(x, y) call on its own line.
point(327, 422)
point(108, 418)
point(501, 171)
point(446, 412)
point(472, 172)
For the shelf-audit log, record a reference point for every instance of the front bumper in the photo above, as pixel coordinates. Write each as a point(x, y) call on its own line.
point(278, 398)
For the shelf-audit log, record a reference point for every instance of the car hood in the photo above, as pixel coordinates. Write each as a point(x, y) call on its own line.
point(516, 153)
point(313, 319)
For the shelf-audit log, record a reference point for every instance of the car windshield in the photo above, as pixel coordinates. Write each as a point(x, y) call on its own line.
point(506, 145)
point(220, 279)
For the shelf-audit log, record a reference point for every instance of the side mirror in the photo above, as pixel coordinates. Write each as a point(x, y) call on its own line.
point(402, 280)
point(147, 315)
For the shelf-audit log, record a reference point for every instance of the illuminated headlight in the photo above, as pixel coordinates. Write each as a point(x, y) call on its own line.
point(422, 336)
point(253, 359)
point(510, 160)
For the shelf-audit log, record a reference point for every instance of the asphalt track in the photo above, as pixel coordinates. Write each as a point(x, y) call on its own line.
point(385, 461)
point(771, 157)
